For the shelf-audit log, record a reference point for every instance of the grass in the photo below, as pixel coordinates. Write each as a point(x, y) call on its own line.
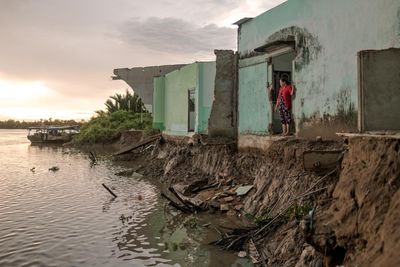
point(105, 127)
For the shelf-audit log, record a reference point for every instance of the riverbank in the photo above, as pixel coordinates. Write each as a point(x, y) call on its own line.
point(304, 208)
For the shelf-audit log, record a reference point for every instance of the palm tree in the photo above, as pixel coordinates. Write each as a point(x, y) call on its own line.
point(128, 101)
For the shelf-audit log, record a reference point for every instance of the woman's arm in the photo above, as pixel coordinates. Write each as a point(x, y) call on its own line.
point(278, 100)
point(292, 90)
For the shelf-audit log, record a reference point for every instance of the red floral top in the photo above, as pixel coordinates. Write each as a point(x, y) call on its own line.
point(286, 93)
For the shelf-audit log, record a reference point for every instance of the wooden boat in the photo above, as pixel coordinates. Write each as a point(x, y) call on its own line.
point(52, 134)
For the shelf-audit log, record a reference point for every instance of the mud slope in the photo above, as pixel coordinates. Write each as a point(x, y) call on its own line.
point(361, 226)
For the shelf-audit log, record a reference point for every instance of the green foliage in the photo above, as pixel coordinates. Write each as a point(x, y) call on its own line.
point(16, 124)
point(262, 219)
point(298, 211)
point(175, 246)
point(128, 102)
point(106, 126)
point(190, 222)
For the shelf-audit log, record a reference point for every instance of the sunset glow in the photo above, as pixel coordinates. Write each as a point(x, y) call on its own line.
point(29, 100)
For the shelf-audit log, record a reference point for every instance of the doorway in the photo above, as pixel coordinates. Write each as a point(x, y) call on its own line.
point(279, 66)
point(379, 90)
point(191, 110)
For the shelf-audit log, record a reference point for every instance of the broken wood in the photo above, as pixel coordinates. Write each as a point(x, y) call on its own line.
point(137, 145)
point(236, 239)
point(187, 204)
point(174, 204)
point(92, 157)
point(109, 190)
point(199, 189)
point(193, 204)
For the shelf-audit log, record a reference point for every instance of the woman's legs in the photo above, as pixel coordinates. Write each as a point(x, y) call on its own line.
point(284, 129)
point(287, 129)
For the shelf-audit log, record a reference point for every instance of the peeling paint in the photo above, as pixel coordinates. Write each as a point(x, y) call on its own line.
point(343, 120)
point(307, 45)
point(398, 22)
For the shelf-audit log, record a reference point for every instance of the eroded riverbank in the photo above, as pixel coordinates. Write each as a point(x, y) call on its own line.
point(304, 210)
point(66, 218)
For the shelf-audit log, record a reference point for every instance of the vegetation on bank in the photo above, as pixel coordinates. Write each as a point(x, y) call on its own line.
point(105, 127)
point(123, 112)
point(16, 124)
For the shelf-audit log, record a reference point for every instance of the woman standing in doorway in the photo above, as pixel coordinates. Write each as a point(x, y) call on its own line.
point(284, 104)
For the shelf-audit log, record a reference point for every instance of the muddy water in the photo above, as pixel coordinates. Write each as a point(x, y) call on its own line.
point(66, 218)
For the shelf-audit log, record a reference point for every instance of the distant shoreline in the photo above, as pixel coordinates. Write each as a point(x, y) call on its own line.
point(15, 124)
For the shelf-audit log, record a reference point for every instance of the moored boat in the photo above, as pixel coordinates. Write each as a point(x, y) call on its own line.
point(52, 134)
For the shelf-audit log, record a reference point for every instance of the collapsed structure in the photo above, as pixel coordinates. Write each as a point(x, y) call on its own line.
point(347, 81)
point(344, 79)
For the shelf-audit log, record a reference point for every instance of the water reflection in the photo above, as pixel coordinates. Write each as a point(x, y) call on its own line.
point(66, 218)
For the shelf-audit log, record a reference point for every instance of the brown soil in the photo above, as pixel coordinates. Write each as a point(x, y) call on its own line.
point(355, 210)
point(362, 220)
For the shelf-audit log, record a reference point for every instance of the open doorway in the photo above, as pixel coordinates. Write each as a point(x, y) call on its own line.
point(281, 65)
point(191, 110)
point(379, 90)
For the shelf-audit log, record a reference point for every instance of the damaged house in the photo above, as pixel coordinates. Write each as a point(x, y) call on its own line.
point(140, 79)
point(342, 56)
point(183, 99)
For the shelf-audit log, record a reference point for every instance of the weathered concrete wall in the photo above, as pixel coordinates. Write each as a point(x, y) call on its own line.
point(380, 90)
point(325, 70)
point(159, 103)
point(205, 95)
point(140, 79)
point(175, 86)
point(222, 121)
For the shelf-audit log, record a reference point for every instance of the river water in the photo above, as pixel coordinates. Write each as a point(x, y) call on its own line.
point(66, 218)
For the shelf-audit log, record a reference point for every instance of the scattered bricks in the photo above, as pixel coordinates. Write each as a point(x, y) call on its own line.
point(228, 199)
point(238, 207)
point(224, 207)
point(214, 204)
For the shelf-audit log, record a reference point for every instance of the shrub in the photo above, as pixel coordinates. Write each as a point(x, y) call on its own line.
point(106, 126)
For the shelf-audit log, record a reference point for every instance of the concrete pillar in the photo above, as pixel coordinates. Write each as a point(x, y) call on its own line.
point(222, 124)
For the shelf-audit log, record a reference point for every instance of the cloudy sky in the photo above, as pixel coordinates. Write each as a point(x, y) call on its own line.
point(57, 56)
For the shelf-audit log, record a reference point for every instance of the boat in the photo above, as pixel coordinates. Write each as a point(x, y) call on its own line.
point(52, 134)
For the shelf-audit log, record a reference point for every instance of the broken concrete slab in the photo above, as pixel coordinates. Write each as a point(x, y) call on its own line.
point(322, 159)
point(243, 190)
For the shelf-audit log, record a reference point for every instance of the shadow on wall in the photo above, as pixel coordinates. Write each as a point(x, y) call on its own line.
point(344, 120)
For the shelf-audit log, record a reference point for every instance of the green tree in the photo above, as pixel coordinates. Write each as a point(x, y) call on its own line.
point(128, 102)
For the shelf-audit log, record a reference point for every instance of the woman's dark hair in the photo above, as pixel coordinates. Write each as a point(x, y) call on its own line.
point(285, 78)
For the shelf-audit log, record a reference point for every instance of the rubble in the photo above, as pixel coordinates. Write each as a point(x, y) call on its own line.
point(289, 209)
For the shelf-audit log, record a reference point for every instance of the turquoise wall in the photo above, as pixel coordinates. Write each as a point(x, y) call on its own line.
point(177, 84)
point(171, 98)
point(326, 74)
point(158, 103)
point(205, 95)
point(254, 112)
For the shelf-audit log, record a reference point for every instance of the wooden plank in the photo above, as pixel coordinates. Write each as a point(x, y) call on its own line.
point(137, 145)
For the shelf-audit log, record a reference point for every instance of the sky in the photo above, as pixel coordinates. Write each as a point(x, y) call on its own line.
point(57, 56)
